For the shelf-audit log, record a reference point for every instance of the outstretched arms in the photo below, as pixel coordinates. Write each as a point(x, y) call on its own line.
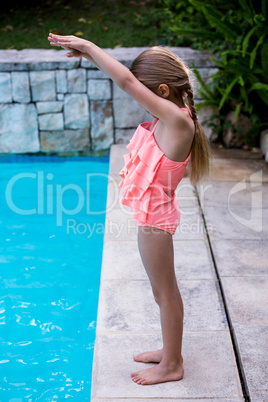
point(81, 47)
point(158, 106)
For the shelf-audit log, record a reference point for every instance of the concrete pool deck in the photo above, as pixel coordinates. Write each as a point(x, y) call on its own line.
point(221, 268)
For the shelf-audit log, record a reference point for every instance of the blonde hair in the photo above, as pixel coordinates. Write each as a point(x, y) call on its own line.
point(158, 65)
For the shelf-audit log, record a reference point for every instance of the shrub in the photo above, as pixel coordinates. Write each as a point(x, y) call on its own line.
point(237, 33)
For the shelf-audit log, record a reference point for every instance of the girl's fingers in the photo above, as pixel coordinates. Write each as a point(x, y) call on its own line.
point(53, 42)
point(63, 42)
point(57, 44)
point(60, 37)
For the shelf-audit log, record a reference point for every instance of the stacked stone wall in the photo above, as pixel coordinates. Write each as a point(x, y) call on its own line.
point(52, 104)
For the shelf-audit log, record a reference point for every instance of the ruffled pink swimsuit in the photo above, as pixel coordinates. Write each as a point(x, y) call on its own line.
point(149, 181)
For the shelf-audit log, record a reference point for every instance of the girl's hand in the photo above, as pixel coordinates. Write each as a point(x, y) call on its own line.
point(77, 46)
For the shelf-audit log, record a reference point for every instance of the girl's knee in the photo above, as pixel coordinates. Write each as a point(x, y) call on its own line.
point(165, 297)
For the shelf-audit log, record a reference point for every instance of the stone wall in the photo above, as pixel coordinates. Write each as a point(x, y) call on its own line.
point(52, 104)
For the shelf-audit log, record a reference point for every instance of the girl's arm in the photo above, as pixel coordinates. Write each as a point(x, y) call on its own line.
point(159, 107)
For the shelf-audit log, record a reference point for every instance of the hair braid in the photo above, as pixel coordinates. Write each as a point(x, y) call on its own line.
point(200, 150)
point(190, 96)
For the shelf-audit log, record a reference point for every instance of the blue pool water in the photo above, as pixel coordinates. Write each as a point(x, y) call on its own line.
point(51, 237)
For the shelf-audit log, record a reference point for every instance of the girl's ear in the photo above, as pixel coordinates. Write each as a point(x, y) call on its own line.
point(163, 90)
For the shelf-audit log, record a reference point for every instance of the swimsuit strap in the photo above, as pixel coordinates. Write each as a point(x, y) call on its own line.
point(186, 108)
point(155, 126)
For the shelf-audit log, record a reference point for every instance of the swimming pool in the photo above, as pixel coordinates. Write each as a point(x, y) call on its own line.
point(51, 226)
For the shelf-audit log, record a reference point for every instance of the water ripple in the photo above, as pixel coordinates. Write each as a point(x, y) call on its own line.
point(48, 291)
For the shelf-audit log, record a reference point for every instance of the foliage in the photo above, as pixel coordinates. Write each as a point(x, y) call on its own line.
point(110, 23)
point(237, 32)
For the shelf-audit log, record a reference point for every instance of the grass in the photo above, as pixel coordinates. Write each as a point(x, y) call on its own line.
point(109, 24)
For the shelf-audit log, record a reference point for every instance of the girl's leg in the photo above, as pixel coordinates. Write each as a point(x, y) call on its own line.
point(155, 356)
point(156, 249)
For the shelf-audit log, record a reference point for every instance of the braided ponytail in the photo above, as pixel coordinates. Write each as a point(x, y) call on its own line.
point(190, 98)
point(200, 149)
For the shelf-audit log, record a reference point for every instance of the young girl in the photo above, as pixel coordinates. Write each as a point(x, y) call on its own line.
point(159, 151)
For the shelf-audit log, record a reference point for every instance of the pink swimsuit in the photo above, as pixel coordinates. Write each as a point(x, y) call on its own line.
point(149, 181)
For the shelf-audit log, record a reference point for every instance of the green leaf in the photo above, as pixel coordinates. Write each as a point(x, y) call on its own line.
point(216, 20)
point(244, 5)
point(202, 83)
point(259, 85)
point(227, 91)
point(244, 94)
point(192, 32)
point(246, 40)
point(205, 96)
point(231, 53)
point(241, 81)
point(205, 103)
point(263, 95)
point(237, 110)
point(258, 18)
point(218, 62)
point(221, 91)
point(254, 52)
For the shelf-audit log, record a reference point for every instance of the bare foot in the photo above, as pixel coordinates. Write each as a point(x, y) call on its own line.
point(149, 357)
point(158, 374)
point(154, 356)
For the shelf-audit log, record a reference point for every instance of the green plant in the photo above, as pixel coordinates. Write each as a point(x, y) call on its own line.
point(110, 24)
point(239, 33)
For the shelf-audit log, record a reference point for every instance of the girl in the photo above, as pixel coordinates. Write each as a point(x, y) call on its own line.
point(159, 151)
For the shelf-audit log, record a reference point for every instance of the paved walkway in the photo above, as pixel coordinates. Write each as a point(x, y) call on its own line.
point(221, 267)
